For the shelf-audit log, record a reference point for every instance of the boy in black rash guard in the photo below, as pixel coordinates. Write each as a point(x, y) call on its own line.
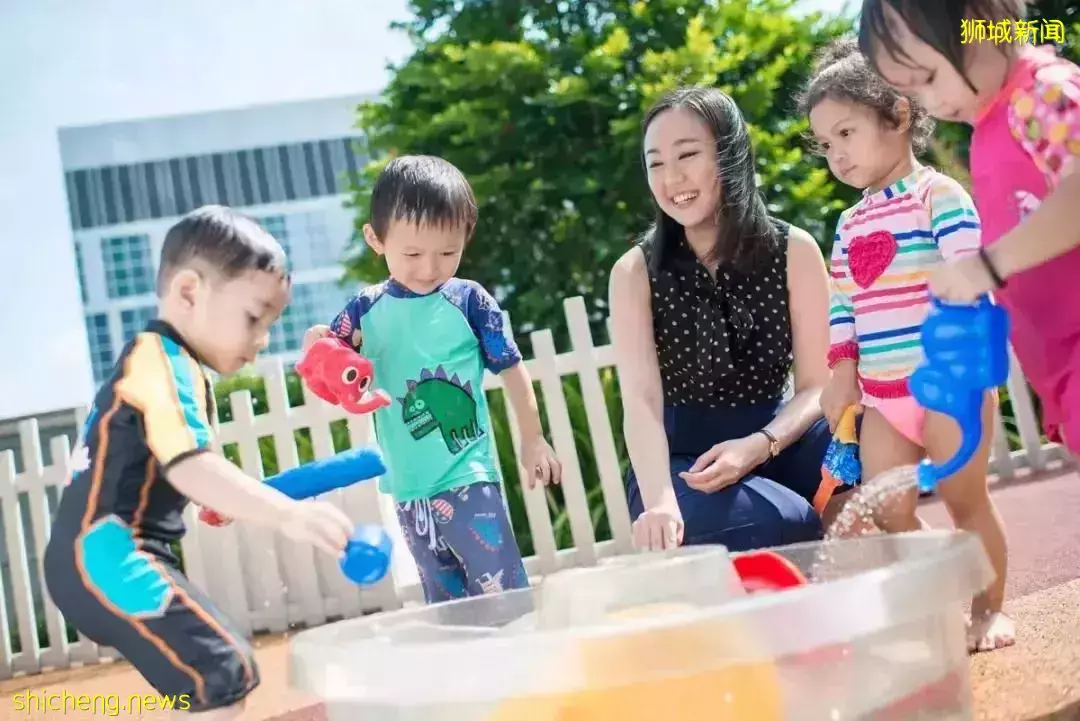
point(108, 566)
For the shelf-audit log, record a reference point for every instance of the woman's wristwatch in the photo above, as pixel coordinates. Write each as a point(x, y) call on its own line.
point(774, 445)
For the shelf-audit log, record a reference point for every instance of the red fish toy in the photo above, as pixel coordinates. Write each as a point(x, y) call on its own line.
point(339, 375)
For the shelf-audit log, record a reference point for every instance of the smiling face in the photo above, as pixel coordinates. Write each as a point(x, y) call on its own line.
point(863, 150)
point(927, 75)
point(680, 156)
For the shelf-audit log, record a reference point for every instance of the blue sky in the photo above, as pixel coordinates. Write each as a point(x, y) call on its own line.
point(65, 63)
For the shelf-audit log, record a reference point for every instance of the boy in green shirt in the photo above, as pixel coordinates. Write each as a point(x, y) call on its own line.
point(430, 336)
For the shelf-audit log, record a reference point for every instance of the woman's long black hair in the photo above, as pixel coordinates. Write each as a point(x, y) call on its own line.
point(745, 236)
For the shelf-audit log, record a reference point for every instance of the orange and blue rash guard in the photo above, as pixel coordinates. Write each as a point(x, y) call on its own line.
point(109, 565)
point(153, 412)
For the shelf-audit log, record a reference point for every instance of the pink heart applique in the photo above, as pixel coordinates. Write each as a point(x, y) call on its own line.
point(869, 256)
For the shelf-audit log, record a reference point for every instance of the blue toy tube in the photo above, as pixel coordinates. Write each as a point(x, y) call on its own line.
point(367, 555)
point(966, 354)
point(322, 476)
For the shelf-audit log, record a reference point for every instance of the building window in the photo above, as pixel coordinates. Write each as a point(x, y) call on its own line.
point(288, 333)
point(81, 268)
point(134, 320)
point(312, 244)
point(128, 268)
point(306, 239)
point(101, 351)
point(275, 225)
point(312, 304)
point(330, 298)
point(254, 176)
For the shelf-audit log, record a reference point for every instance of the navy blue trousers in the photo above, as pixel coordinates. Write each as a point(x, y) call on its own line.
point(771, 506)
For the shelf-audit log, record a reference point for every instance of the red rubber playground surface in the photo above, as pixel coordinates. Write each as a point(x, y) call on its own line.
point(1038, 678)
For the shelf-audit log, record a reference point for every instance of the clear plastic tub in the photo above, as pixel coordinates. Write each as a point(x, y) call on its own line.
point(878, 634)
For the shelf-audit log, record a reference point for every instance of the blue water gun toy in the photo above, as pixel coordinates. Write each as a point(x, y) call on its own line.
point(367, 554)
point(966, 354)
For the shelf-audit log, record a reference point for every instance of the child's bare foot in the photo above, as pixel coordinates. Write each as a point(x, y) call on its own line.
point(990, 631)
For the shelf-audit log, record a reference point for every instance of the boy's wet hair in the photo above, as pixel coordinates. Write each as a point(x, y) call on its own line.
point(938, 23)
point(224, 240)
point(422, 190)
point(842, 73)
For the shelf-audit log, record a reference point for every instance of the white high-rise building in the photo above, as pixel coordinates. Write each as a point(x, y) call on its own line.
point(288, 165)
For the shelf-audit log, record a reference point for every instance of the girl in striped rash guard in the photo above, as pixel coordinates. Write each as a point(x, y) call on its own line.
point(910, 220)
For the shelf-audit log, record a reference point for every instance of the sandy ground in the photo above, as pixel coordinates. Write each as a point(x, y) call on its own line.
point(1037, 679)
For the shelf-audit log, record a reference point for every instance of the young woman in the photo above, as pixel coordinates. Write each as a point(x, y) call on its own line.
point(709, 312)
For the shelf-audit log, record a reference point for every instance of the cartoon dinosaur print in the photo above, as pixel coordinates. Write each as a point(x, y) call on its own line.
point(436, 401)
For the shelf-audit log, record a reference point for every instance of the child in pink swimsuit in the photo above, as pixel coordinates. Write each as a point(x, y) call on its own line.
point(1024, 104)
point(910, 220)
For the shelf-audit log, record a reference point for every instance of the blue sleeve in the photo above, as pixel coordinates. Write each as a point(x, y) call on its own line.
point(486, 319)
point(347, 323)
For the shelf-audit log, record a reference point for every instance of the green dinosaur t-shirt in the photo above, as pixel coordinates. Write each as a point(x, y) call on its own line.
point(429, 353)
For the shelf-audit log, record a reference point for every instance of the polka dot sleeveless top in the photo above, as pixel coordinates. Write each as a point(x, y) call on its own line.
point(723, 342)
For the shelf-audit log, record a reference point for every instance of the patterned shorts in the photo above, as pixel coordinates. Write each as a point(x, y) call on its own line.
point(462, 543)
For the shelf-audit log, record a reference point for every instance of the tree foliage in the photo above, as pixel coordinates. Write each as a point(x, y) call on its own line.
point(539, 103)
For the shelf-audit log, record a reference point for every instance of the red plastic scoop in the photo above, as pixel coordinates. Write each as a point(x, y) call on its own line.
point(767, 571)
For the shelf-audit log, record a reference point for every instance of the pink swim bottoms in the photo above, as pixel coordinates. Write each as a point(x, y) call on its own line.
point(905, 415)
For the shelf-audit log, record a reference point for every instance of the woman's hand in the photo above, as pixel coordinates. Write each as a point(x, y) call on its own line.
point(660, 527)
point(727, 462)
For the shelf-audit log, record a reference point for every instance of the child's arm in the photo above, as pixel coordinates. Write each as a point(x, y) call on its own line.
point(953, 218)
point(178, 433)
point(842, 345)
point(537, 456)
point(345, 325)
point(214, 482)
point(1051, 231)
point(1046, 120)
point(842, 390)
point(522, 397)
point(502, 357)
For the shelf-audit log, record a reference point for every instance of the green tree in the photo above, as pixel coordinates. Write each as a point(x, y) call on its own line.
point(539, 104)
point(1068, 12)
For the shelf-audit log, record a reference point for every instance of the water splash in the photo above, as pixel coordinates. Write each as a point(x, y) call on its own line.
point(859, 516)
point(877, 494)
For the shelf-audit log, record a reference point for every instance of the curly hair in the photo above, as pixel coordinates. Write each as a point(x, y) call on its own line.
point(842, 73)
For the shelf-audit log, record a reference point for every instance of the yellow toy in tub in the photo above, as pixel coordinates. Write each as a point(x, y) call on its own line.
point(668, 673)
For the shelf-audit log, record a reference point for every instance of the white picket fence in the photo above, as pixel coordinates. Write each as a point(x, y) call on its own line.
point(265, 583)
